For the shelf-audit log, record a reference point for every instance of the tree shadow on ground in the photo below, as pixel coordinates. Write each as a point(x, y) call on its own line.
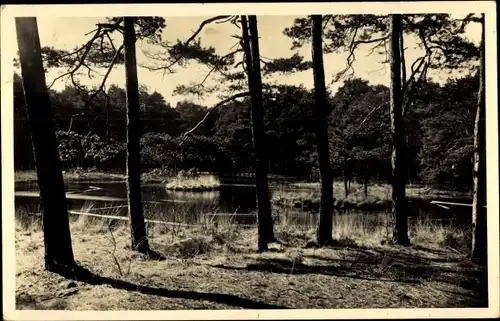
point(82, 274)
point(385, 265)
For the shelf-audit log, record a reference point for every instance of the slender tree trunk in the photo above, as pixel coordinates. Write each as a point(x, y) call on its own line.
point(346, 178)
point(479, 230)
point(399, 208)
point(108, 130)
point(366, 186)
point(324, 233)
point(252, 56)
point(56, 231)
point(138, 229)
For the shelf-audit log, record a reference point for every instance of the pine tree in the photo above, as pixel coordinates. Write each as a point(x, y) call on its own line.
point(324, 233)
point(479, 230)
point(56, 231)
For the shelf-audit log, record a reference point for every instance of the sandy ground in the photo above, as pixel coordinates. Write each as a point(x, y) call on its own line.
point(223, 271)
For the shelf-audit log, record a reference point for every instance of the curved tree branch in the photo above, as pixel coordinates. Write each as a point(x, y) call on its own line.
point(169, 65)
point(225, 101)
point(103, 83)
point(100, 32)
point(203, 24)
point(87, 48)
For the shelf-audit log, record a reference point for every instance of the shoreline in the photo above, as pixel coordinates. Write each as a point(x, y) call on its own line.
point(305, 196)
point(281, 181)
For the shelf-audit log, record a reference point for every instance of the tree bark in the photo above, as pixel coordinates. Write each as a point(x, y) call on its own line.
point(252, 56)
point(479, 230)
point(399, 206)
point(108, 130)
point(138, 229)
point(56, 231)
point(346, 178)
point(324, 232)
point(366, 186)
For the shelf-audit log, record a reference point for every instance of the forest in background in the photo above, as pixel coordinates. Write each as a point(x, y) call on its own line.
point(439, 132)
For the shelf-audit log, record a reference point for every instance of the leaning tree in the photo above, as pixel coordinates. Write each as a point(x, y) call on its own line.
point(252, 61)
point(56, 231)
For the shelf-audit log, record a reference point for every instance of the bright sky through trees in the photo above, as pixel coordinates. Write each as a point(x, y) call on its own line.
point(69, 32)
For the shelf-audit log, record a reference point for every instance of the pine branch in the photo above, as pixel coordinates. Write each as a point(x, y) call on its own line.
point(225, 101)
point(72, 118)
point(351, 58)
point(103, 83)
point(225, 20)
point(87, 47)
point(100, 32)
point(364, 121)
point(326, 20)
point(203, 24)
point(183, 45)
point(414, 87)
point(292, 64)
point(110, 41)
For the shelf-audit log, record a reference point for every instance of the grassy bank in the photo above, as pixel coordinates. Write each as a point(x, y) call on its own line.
point(307, 195)
point(215, 266)
point(383, 190)
point(179, 182)
point(92, 176)
point(76, 175)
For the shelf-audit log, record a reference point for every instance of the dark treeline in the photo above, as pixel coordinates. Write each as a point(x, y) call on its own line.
point(439, 134)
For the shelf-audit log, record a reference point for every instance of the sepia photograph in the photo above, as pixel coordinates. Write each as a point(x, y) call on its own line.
point(244, 159)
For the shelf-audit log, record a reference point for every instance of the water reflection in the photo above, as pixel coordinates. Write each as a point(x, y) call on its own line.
point(235, 202)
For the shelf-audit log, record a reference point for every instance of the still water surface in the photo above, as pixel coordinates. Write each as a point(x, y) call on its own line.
point(110, 198)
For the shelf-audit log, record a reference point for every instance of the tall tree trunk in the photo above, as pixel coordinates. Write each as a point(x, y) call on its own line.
point(56, 231)
point(252, 56)
point(138, 229)
point(399, 168)
point(108, 130)
point(324, 233)
point(479, 230)
point(346, 178)
point(366, 185)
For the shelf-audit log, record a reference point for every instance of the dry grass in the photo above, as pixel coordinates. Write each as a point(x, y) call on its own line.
point(379, 195)
point(74, 175)
point(356, 199)
point(381, 190)
point(208, 260)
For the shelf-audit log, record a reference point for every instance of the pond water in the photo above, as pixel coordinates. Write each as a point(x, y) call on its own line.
point(110, 198)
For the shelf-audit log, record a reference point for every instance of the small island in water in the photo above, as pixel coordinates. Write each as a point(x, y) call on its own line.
point(193, 181)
